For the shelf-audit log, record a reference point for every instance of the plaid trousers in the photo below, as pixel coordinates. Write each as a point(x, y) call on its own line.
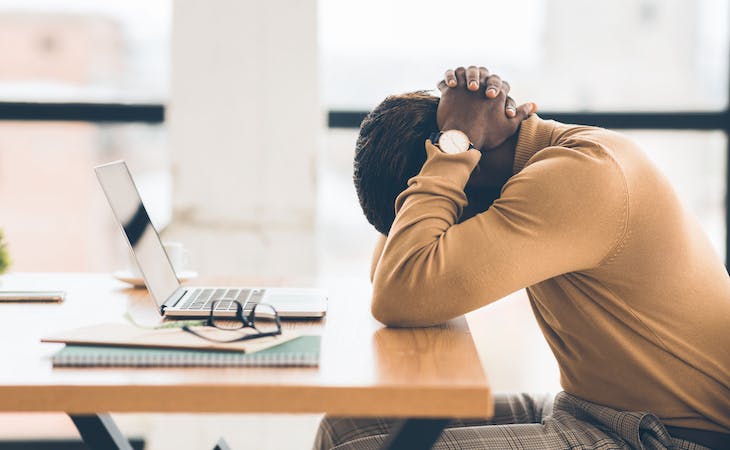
point(521, 421)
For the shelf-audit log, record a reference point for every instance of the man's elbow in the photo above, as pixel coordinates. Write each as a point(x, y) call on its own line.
point(389, 306)
point(401, 299)
point(400, 310)
point(388, 314)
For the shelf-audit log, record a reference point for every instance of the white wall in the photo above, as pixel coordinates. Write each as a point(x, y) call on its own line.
point(244, 124)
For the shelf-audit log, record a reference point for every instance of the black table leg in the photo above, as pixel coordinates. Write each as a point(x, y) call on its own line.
point(415, 434)
point(99, 432)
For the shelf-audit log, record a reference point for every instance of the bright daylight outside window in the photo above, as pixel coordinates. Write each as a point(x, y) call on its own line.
point(670, 56)
point(89, 52)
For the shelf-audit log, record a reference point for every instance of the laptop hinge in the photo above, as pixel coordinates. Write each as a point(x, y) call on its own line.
point(172, 301)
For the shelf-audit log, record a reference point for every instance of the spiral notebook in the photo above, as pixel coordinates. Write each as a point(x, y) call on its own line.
point(302, 351)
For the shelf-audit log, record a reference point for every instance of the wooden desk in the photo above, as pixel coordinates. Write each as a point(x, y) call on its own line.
point(365, 370)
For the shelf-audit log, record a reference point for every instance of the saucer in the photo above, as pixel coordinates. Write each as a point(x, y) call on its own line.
point(138, 282)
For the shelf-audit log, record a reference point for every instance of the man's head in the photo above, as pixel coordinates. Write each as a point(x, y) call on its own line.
point(390, 150)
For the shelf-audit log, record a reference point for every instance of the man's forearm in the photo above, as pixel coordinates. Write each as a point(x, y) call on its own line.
point(562, 213)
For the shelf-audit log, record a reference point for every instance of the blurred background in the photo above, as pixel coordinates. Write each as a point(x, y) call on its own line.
point(238, 119)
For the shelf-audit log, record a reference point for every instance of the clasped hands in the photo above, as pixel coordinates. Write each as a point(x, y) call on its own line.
point(477, 103)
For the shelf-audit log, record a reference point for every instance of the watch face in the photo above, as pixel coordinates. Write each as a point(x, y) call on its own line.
point(454, 141)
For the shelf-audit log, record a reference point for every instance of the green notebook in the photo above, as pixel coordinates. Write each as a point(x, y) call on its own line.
point(300, 352)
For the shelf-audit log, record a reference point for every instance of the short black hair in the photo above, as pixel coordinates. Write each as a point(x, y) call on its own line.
point(390, 150)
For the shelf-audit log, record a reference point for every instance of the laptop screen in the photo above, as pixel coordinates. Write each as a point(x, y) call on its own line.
point(120, 190)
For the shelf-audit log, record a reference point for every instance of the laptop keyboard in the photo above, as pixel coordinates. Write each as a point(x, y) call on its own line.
point(224, 298)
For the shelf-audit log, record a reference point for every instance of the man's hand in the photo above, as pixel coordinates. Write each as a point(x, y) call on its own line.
point(476, 103)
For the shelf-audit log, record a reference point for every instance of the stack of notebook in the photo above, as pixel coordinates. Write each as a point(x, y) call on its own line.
point(114, 345)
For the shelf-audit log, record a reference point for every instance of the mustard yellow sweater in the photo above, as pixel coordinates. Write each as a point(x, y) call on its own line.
point(630, 295)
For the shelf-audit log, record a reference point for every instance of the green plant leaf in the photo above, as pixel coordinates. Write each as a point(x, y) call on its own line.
point(4, 256)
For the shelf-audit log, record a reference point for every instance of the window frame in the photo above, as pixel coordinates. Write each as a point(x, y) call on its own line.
point(669, 120)
point(154, 113)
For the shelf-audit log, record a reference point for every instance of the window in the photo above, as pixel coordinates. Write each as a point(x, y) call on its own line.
point(84, 51)
point(568, 55)
point(643, 64)
point(669, 57)
point(55, 215)
point(94, 53)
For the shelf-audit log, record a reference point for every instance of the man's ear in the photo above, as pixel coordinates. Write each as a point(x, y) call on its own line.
point(377, 253)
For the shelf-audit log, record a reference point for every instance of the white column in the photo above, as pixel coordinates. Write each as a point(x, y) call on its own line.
point(244, 124)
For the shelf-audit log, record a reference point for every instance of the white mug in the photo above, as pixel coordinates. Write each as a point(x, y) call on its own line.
point(177, 253)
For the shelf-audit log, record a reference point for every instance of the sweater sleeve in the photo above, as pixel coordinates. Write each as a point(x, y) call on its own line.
point(379, 245)
point(564, 211)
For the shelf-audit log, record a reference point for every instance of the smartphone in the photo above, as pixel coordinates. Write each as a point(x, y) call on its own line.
point(32, 296)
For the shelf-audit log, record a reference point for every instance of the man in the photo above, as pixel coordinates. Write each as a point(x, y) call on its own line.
point(630, 295)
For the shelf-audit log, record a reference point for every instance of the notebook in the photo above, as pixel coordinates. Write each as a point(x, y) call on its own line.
point(302, 351)
point(126, 335)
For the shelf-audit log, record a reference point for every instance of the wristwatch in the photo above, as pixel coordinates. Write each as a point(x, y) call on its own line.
point(451, 141)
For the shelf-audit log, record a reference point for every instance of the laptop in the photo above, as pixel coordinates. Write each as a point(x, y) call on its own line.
point(173, 299)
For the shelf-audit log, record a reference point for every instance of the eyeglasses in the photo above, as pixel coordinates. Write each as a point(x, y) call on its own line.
point(260, 321)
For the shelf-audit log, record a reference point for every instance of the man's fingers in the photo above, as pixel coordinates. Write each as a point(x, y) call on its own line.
point(442, 86)
point(472, 78)
point(510, 108)
point(460, 74)
point(506, 87)
point(494, 84)
point(483, 75)
point(450, 78)
point(524, 111)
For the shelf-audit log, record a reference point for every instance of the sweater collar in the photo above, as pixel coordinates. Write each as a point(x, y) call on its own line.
point(535, 135)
